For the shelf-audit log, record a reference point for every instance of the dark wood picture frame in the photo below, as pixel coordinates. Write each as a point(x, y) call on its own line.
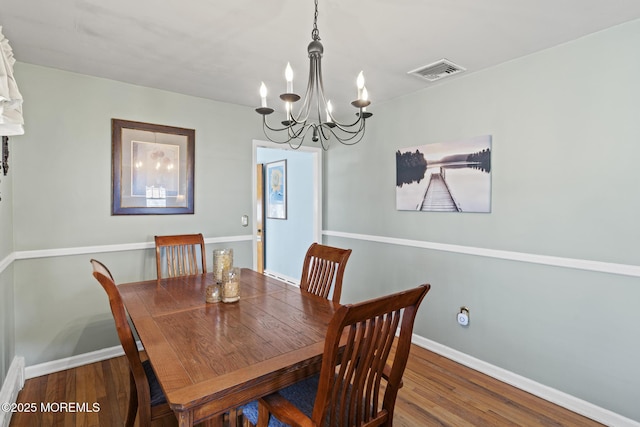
point(152, 169)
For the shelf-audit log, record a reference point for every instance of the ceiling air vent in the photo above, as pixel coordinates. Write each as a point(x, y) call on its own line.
point(437, 70)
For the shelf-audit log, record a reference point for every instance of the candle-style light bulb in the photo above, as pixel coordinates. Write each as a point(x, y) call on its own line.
point(365, 96)
point(360, 84)
point(288, 74)
point(263, 94)
point(287, 107)
point(329, 111)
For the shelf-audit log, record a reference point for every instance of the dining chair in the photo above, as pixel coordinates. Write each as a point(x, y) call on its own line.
point(145, 395)
point(349, 390)
point(184, 255)
point(323, 268)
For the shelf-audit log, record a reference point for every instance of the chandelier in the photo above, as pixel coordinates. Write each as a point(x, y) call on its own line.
point(314, 107)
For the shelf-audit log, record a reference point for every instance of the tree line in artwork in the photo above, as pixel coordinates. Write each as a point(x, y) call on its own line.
point(412, 166)
point(480, 160)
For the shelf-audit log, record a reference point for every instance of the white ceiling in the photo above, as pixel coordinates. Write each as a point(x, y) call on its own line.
point(223, 50)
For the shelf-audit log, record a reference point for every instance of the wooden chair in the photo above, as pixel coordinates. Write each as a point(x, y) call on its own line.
point(323, 268)
point(349, 390)
point(181, 254)
point(145, 395)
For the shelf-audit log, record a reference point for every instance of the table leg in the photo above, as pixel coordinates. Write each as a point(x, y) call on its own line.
point(185, 419)
point(216, 421)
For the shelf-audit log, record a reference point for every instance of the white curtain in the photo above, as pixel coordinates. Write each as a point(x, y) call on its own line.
point(11, 121)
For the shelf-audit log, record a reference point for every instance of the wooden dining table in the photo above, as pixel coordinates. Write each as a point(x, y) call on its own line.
point(213, 357)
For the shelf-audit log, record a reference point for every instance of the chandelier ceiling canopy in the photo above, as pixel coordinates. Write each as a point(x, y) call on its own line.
point(315, 114)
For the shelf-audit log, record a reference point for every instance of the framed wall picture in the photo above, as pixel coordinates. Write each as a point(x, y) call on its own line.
point(452, 176)
point(152, 169)
point(276, 182)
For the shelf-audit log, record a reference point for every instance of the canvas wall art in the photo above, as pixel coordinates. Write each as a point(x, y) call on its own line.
point(445, 177)
point(277, 189)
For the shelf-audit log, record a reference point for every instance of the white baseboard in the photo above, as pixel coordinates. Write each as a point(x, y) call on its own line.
point(75, 361)
point(552, 395)
point(11, 386)
point(283, 278)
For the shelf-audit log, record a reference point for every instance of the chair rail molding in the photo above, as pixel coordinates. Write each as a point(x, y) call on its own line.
point(6, 261)
point(84, 250)
point(580, 264)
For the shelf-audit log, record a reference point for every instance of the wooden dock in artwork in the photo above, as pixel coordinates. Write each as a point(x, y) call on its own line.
point(437, 197)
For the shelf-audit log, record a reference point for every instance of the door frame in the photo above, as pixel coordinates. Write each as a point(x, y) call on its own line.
point(317, 190)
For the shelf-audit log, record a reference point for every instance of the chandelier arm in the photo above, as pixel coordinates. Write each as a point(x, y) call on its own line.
point(287, 141)
point(321, 89)
point(305, 108)
point(328, 133)
point(324, 137)
point(321, 103)
point(290, 128)
point(303, 113)
point(292, 133)
point(312, 83)
point(324, 143)
point(346, 127)
point(349, 128)
point(342, 126)
point(275, 140)
point(294, 146)
point(348, 141)
point(346, 134)
point(295, 133)
point(301, 135)
point(274, 129)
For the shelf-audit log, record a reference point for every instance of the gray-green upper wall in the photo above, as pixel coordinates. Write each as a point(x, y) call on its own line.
point(565, 126)
point(62, 200)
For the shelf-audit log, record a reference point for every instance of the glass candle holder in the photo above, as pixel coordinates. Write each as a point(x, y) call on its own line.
point(222, 260)
point(231, 285)
point(213, 293)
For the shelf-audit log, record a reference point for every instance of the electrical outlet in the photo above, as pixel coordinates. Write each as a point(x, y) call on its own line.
point(463, 316)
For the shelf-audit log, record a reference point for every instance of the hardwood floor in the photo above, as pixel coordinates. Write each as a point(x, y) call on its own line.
point(440, 392)
point(436, 392)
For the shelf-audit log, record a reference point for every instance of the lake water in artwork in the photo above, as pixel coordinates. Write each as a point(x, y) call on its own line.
point(445, 177)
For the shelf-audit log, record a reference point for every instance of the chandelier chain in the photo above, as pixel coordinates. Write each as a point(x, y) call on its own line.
point(315, 34)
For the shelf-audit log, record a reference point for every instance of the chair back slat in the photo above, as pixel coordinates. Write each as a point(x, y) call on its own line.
point(183, 255)
point(350, 388)
point(323, 269)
